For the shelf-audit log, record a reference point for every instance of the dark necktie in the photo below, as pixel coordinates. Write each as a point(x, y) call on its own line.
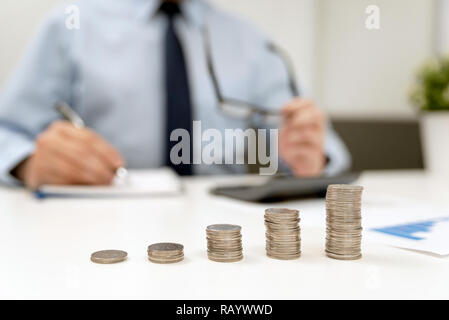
point(177, 94)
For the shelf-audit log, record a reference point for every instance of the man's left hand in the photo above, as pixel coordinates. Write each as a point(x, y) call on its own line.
point(301, 138)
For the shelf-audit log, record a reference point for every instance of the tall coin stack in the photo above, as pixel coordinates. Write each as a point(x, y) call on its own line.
point(224, 243)
point(282, 234)
point(343, 222)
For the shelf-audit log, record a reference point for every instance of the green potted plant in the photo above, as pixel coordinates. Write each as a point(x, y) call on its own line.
point(430, 95)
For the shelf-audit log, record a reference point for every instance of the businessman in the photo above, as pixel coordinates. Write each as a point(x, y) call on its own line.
point(135, 71)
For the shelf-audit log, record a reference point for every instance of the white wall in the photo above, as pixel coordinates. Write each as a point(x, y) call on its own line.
point(291, 24)
point(363, 72)
point(443, 27)
point(18, 22)
point(347, 68)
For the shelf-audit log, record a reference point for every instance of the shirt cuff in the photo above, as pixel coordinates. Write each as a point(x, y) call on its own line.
point(14, 149)
point(284, 168)
point(334, 167)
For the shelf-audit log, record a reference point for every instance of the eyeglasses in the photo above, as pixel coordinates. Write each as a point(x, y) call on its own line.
point(242, 110)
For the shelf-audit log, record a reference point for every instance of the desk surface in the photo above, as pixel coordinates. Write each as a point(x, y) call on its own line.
point(46, 245)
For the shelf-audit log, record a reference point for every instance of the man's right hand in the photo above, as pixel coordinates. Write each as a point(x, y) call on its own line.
point(68, 155)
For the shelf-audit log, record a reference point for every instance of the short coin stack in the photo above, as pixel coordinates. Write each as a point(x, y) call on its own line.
point(343, 222)
point(282, 233)
point(166, 253)
point(224, 243)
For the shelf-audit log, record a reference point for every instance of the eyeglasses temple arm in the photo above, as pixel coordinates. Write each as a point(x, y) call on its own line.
point(210, 65)
point(286, 60)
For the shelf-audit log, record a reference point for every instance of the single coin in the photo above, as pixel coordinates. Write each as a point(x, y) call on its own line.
point(165, 256)
point(281, 211)
point(343, 257)
point(166, 261)
point(166, 246)
point(108, 256)
point(212, 258)
point(224, 228)
point(283, 257)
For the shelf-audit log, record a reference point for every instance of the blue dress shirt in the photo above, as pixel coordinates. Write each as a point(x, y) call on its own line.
point(110, 70)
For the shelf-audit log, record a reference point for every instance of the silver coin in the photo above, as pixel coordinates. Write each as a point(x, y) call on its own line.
point(229, 260)
point(166, 246)
point(343, 257)
point(168, 256)
point(108, 256)
point(166, 261)
point(224, 227)
point(283, 257)
point(224, 236)
point(281, 211)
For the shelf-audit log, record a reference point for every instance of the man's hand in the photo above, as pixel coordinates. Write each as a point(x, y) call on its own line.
point(68, 155)
point(301, 139)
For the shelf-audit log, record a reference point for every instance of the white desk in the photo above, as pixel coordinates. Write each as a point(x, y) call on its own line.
point(45, 248)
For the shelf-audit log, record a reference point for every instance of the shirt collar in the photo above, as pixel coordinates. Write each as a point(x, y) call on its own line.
point(193, 10)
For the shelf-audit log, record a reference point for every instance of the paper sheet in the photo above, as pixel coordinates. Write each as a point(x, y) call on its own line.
point(139, 183)
point(429, 235)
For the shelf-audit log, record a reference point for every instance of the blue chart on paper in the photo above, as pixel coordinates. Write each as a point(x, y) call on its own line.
point(409, 230)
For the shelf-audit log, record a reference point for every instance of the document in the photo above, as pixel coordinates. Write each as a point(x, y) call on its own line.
point(156, 182)
point(406, 223)
point(430, 235)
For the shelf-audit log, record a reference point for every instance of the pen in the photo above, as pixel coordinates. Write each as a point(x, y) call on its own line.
point(70, 115)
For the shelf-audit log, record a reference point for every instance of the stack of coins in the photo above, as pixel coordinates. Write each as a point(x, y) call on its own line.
point(166, 253)
point(224, 243)
point(343, 222)
point(282, 234)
